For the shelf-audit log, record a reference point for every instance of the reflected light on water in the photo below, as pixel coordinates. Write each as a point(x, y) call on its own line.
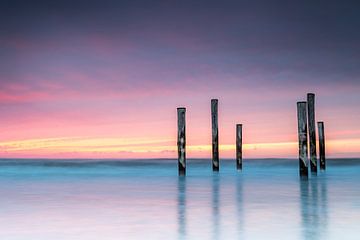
point(147, 200)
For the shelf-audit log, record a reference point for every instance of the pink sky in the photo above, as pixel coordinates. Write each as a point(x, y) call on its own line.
point(106, 81)
point(98, 125)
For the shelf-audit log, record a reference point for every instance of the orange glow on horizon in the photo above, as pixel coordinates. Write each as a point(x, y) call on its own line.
point(163, 148)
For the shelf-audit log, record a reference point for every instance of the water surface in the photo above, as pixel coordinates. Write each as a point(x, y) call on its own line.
point(145, 199)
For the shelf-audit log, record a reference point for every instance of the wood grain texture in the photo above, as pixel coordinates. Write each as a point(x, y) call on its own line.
point(321, 145)
point(181, 141)
point(312, 131)
point(302, 135)
point(239, 146)
point(215, 134)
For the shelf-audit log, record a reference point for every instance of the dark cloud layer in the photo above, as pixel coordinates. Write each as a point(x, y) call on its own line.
point(329, 21)
point(252, 42)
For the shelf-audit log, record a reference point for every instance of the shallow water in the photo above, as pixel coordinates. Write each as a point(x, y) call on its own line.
point(145, 199)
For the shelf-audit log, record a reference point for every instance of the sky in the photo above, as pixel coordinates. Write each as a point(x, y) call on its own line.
point(103, 79)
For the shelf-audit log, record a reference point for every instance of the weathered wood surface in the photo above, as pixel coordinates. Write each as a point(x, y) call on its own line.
point(322, 145)
point(181, 141)
point(302, 135)
point(215, 134)
point(239, 146)
point(312, 131)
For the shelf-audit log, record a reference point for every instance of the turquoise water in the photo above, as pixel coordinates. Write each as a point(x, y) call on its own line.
point(145, 199)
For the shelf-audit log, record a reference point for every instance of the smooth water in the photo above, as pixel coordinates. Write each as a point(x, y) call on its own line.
point(145, 199)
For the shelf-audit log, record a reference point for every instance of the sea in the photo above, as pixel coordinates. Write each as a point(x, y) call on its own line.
point(85, 199)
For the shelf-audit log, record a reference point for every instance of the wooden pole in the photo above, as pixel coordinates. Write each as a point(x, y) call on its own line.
point(181, 141)
point(302, 134)
point(215, 134)
point(312, 131)
point(321, 145)
point(239, 146)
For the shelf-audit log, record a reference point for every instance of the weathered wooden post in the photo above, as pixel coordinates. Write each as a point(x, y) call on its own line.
point(302, 134)
point(181, 141)
point(215, 134)
point(239, 146)
point(321, 145)
point(312, 131)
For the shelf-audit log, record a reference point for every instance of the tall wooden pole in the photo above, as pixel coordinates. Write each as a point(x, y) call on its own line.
point(302, 134)
point(321, 145)
point(312, 131)
point(239, 146)
point(181, 141)
point(215, 134)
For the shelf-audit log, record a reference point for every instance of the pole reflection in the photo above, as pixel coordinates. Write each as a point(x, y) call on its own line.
point(216, 205)
point(240, 206)
point(181, 204)
point(313, 201)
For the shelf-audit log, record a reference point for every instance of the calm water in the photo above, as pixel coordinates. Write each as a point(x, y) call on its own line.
point(145, 199)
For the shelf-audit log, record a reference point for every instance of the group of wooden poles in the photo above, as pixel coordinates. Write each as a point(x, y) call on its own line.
point(307, 137)
point(181, 140)
point(305, 115)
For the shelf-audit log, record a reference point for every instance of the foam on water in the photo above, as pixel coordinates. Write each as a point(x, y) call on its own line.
point(145, 199)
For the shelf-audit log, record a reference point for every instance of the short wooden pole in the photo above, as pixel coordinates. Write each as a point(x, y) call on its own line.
point(215, 134)
point(302, 134)
point(312, 131)
point(321, 145)
point(239, 146)
point(181, 141)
